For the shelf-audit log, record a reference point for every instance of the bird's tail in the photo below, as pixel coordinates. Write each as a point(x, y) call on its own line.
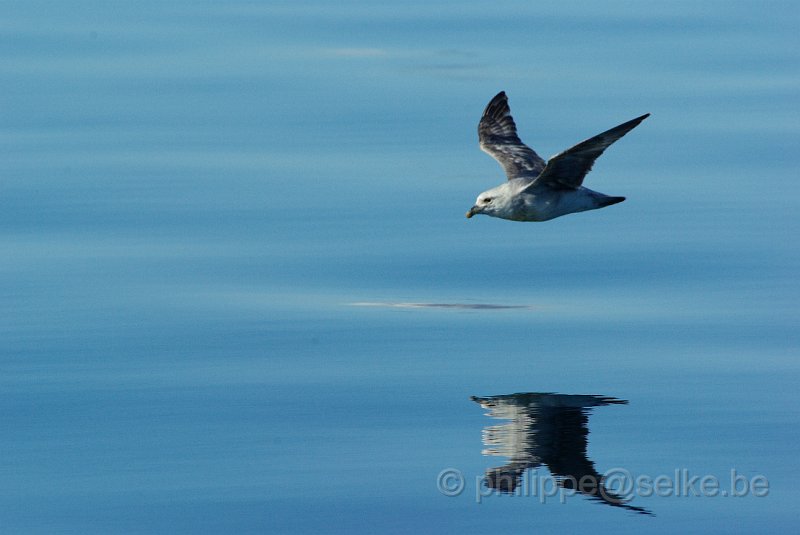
point(608, 201)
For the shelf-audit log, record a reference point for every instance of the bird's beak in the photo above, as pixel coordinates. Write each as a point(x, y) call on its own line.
point(472, 211)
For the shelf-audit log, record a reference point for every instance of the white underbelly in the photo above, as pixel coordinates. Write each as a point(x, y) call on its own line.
point(549, 206)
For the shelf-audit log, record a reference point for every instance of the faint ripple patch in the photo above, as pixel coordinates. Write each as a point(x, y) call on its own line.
point(461, 306)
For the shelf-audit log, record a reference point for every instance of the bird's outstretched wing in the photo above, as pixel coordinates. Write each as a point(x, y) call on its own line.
point(567, 169)
point(498, 138)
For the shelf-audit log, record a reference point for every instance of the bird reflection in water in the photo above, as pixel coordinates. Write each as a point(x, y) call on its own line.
point(548, 430)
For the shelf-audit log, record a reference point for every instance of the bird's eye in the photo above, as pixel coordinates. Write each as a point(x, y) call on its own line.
point(487, 200)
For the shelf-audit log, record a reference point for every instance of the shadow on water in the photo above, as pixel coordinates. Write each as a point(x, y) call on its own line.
point(549, 430)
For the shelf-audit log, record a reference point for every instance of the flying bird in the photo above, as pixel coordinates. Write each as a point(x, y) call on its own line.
point(537, 190)
point(549, 430)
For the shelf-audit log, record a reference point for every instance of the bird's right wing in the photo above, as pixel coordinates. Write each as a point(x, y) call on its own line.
point(498, 138)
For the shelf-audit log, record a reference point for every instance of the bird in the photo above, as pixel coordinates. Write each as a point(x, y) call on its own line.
point(547, 430)
point(537, 190)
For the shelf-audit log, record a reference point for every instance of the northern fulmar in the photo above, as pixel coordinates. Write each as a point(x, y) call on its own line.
point(538, 191)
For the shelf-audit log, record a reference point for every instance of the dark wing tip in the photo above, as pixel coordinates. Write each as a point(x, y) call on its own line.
point(620, 130)
point(633, 123)
point(498, 104)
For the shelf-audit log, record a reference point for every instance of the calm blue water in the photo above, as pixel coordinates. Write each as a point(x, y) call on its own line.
point(198, 199)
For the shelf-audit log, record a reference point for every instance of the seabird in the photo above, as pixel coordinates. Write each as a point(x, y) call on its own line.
point(537, 190)
point(549, 430)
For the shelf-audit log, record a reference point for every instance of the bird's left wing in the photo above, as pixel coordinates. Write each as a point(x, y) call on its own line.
point(498, 138)
point(567, 169)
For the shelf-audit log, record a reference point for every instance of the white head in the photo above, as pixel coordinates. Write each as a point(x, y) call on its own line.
point(495, 202)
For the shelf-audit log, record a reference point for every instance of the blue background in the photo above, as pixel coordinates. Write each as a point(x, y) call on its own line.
point(193, 195)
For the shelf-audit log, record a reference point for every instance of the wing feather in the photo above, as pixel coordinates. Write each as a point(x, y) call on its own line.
point(497, 134)
point(567, 169)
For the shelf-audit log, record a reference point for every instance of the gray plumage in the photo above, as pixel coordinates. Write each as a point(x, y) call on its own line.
point(538, 191)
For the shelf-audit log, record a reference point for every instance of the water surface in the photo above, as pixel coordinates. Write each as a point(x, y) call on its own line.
point(196, 198)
